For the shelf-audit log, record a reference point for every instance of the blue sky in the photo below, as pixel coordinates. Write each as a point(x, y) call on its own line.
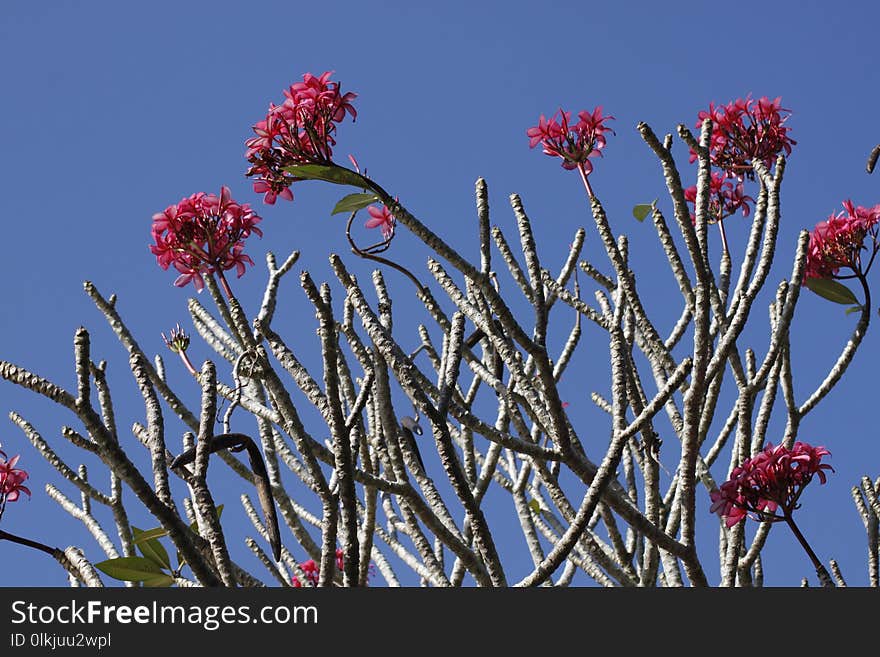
point(112, 111)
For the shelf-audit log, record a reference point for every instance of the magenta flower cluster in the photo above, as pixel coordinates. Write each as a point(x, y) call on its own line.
point(11, 480)
point(203, 234)
point(838, 242)
point(774, 478)
point(725, 198)
point(312, 570)
point(745, 130)
point(299, 131)
point(574, 144)
point(742, 131)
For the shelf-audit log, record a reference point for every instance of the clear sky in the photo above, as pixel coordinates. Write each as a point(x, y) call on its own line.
point(111, 111)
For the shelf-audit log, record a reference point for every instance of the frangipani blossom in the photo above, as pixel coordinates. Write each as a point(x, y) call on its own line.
point(312, 570)
point(774, 478)
point(381, 218)
point(574, 144)
point(299, 131)
point(203, 234)
point(838, 242)
point(11, 480)
point(725, 198)
point(746, 130)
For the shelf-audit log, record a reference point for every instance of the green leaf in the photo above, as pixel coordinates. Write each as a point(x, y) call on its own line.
point(853, 309)
point(159, 581)
point(152, 549)
point(334, 174)
point(832, 290)
point(148, 534)
point(535, 506)
point(130, 569)
point(353, 203)
point(641, 210)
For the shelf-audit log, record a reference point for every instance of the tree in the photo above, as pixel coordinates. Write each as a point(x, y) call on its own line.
point(485, 395)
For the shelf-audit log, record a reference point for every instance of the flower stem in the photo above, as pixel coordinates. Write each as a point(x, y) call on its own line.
point(585, 180)
point(6, 536)
point(821, 572)
point(867, 290)
point(188, 364)
point(226, 289)
point(370, 254)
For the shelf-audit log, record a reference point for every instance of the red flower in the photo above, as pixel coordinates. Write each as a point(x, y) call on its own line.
point(312, 571)
point(839, 241)
point(725, 198)
point(773, 478)
point(381, 218)
point(203, 234)
point(574, 144)
point(11, 481)
point(746, 130)
point(299, 131)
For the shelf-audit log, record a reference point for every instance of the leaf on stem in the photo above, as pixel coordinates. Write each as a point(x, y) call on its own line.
point(141, 536)
point(832, 290)
point(354, 202)
point(151, 549)
point(642, 210)
point(135, 569)
point(334, 174)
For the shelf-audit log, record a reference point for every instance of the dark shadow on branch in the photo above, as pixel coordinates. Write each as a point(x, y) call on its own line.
point(872, 158)
point(237, 442)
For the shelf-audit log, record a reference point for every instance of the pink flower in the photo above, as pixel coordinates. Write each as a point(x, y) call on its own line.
point(203, 234)
point(573, 144)
point(299, 131)
point(312, 571)
point(746, 130)
point(725, 198)
point(839, 241)
point(381, 218)
point(773, 478)
point(11, 481)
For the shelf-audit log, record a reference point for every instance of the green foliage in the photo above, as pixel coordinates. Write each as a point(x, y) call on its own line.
point(642, 210)
point(136, 569)
point(334, 174)
point(832, 290)
point(151, 549)
point(354, 202)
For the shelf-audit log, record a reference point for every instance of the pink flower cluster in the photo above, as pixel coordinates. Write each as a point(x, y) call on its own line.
point(839, 241)
point(383, 219)
point(746, 130)
point(574, 144)
point(773, 478)
point(312, 570)
point(725, 198)
point(203, 234)
point(299, 131)
point(11, 480)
